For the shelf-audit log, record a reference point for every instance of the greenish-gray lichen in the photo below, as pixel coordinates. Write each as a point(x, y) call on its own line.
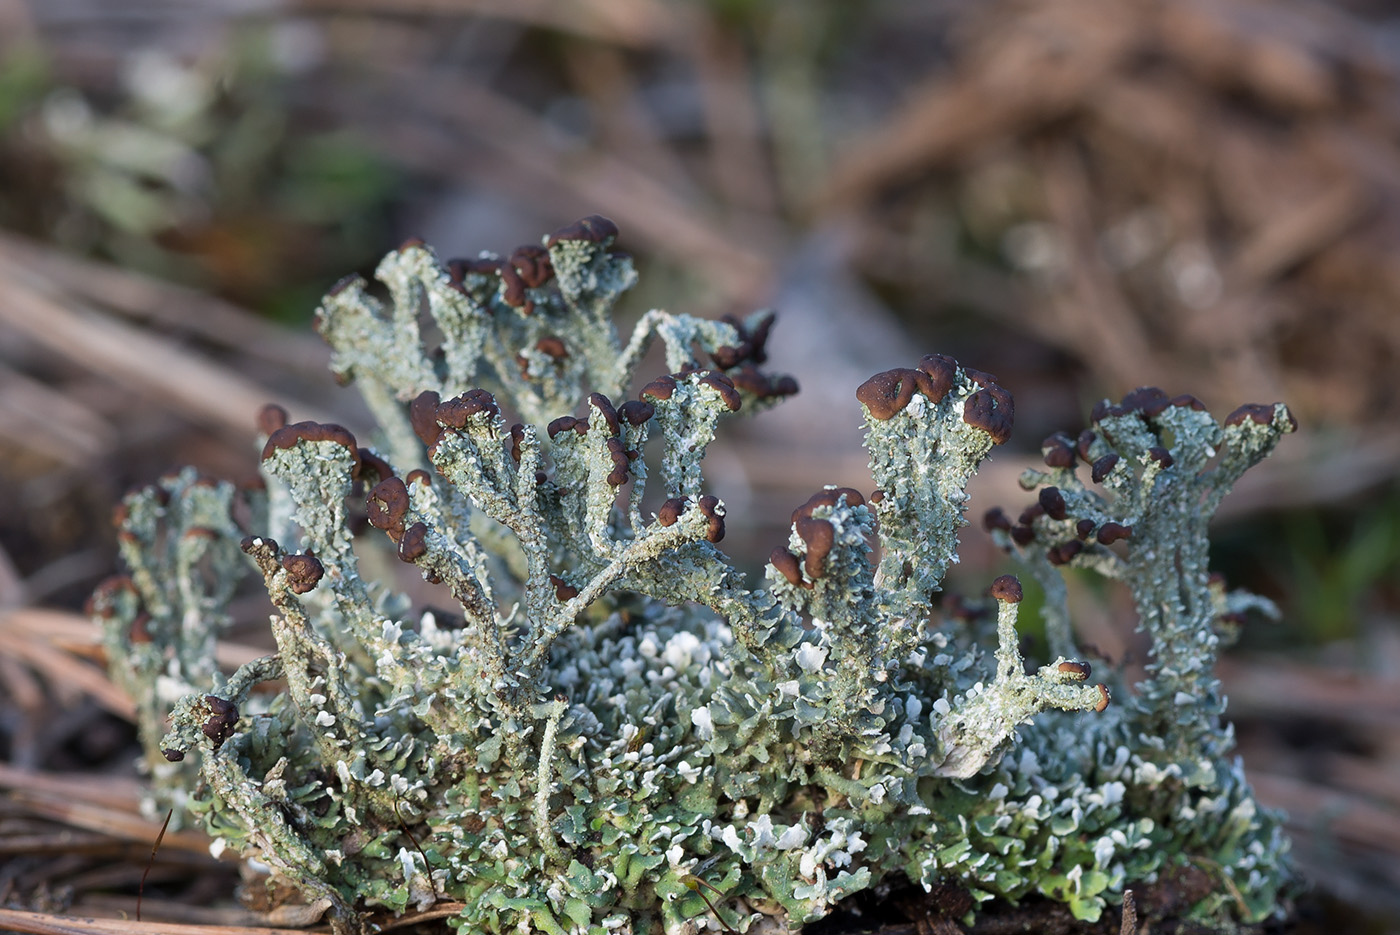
point(620, 722)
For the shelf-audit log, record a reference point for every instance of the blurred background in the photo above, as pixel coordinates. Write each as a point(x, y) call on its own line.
point(1077, 196)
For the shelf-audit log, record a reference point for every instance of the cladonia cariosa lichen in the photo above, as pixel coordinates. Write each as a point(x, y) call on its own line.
point(617, 730)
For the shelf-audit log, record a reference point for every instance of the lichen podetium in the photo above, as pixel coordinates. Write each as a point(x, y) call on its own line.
point(617, 730)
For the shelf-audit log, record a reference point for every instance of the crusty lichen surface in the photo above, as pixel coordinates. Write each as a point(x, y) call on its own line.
point(617, 730)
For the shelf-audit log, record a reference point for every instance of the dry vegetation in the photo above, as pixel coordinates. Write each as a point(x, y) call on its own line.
point(1079, 197)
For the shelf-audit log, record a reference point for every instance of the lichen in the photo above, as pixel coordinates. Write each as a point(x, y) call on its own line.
point(618, 731)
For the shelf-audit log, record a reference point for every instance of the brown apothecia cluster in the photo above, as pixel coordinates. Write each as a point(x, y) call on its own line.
point(290, 434)
point(454, 413)
point(388, 506)
point(674, 508)
point(1060, 452)
point(1007, 588)
point(888, 393)
point(105, 597)
point(223, 718)
point(528, 267)
point(818, 535)
point(664, 387)
point(633, 413)
point(430, 417)
point(414, 544)
point(990, 408)
point(740, 362)
point(1258, 413)
point(304, 572)
point(563, 591)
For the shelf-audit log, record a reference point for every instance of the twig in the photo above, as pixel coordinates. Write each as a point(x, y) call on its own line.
point(141, 890)
point(1219, 871)
point(41, 419)
point(62, 842)
point(200, 388)
point(42, 923)
point(636, 200)
point(1041, 70)
point(178, 307)
point(170, 910)
point(631, 23)
point(693, 883)
point(115, 792)
point(738, 162)
point(79, 636)
point(602, 74)
point(1095, 311)
point(438, 911)
point(106, 820)
point(1324, 812)
point(63, 670)
point(1281, 689)
point(11, 584)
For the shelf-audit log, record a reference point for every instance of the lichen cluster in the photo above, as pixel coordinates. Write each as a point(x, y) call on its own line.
point(617, 731)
